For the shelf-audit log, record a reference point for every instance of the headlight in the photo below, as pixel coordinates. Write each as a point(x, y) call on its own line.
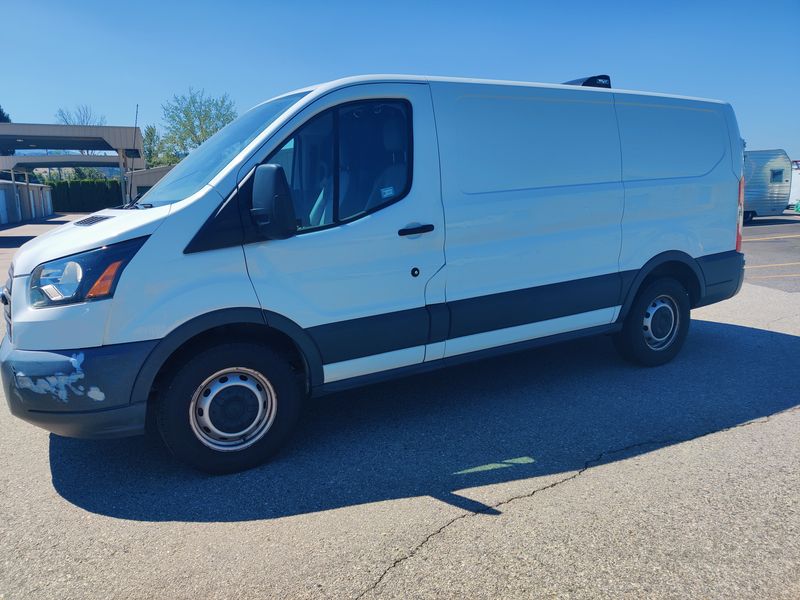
point(91, 275)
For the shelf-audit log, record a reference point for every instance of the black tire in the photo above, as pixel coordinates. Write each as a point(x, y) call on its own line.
point(748, 216)
point(647, 337)
point(237, 398)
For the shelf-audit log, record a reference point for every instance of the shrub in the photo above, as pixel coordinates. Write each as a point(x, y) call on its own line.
point(85, 195)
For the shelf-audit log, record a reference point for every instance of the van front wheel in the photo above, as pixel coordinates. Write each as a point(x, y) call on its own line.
point(229, 407)
point(656, 325)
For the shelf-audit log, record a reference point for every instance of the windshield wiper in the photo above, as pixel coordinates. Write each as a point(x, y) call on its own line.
point(136, 204)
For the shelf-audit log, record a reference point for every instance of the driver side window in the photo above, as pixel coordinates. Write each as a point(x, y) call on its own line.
point(348, 161)
point(307, 159)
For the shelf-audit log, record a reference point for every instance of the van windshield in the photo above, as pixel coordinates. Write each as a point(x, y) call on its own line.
point(208, 159)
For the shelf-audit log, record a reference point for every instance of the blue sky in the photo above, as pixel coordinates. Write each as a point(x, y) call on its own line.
point(112, 55)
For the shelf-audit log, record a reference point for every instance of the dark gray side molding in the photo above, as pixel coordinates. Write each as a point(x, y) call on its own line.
point(452, 361)
point(534, 304)
point(367, 336)
point(718, 276)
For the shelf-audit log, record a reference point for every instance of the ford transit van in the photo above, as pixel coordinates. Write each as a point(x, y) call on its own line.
point(369, 228)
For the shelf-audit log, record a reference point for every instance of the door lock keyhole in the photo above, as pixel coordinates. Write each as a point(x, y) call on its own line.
point(415, 272)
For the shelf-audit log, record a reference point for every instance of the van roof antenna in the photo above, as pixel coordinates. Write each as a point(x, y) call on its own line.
point(602, 81)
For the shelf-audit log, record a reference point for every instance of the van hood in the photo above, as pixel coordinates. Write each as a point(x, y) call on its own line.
point(86, 233)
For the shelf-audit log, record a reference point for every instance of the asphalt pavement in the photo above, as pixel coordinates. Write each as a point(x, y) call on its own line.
point(772, 245)
point(559, 472)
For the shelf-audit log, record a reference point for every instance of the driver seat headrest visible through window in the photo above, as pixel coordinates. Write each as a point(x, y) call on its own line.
point(394, 134)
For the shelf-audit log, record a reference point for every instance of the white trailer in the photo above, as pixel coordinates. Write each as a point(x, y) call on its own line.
point(794, 195)
point(767, 177)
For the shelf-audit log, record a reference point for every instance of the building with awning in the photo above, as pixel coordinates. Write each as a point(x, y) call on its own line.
point(139, 182)
point(91, 145)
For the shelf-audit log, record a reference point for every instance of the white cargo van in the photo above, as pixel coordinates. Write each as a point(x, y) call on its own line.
point(368, 228)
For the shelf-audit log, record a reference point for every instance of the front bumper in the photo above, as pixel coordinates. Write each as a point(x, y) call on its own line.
point(82, 393)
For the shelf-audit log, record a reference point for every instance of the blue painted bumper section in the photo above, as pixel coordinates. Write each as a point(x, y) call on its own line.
point(76, 393)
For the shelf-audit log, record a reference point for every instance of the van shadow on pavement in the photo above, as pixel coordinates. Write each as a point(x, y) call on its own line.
point(54, 219)
point(561, 406)
point(14, 241)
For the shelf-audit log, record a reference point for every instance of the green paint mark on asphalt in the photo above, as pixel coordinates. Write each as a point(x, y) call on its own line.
point(522, 460)
point(509, 462)
point(489, 467)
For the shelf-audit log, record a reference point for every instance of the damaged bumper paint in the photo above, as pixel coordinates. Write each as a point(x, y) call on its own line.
point(76, 393)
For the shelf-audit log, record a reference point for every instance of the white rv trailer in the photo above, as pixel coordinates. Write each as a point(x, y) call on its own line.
point(767, 176)
point(794, 195)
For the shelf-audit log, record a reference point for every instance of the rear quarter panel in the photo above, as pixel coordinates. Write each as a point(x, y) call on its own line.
point(681, 188)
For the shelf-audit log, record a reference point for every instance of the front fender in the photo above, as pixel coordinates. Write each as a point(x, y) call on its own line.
point(167, 346)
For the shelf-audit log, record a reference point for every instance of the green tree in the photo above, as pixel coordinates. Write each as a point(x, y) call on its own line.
point(156, 152)
point(192, 118)
point(151, 142)
point(87, 173)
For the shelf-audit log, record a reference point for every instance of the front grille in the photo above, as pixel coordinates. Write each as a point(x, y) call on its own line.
point(92, 220)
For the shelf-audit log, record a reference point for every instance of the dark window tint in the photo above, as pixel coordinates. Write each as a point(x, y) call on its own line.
point(348, 161)
point(374, 144)
point(308, 161)
point(776, 176)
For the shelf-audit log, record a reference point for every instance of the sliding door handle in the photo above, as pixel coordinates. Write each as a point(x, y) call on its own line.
point(414, 229)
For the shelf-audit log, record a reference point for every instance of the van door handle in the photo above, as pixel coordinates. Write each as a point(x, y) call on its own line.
point(415, 229)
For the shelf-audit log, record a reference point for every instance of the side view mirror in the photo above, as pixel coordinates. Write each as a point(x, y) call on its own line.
point(273, 209)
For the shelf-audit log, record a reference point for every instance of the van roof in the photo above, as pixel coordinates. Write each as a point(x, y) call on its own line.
point(388, 78)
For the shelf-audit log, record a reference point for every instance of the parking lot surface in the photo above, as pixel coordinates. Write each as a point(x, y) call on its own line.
point(560, 472)
point(772, 245)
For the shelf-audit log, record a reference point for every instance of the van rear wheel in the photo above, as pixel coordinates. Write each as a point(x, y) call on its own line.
point(656, 325)
point(229, 407)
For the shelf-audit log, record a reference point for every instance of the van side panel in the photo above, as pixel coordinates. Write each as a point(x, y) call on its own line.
point(531, 189)
point(680, 191)
point(737, 145)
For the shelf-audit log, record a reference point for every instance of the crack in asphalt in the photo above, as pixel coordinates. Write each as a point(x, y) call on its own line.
point(779, 319)
point(586, 466)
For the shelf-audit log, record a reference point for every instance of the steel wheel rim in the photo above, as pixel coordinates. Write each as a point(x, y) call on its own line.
point(661, 322)
point(233, 409)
